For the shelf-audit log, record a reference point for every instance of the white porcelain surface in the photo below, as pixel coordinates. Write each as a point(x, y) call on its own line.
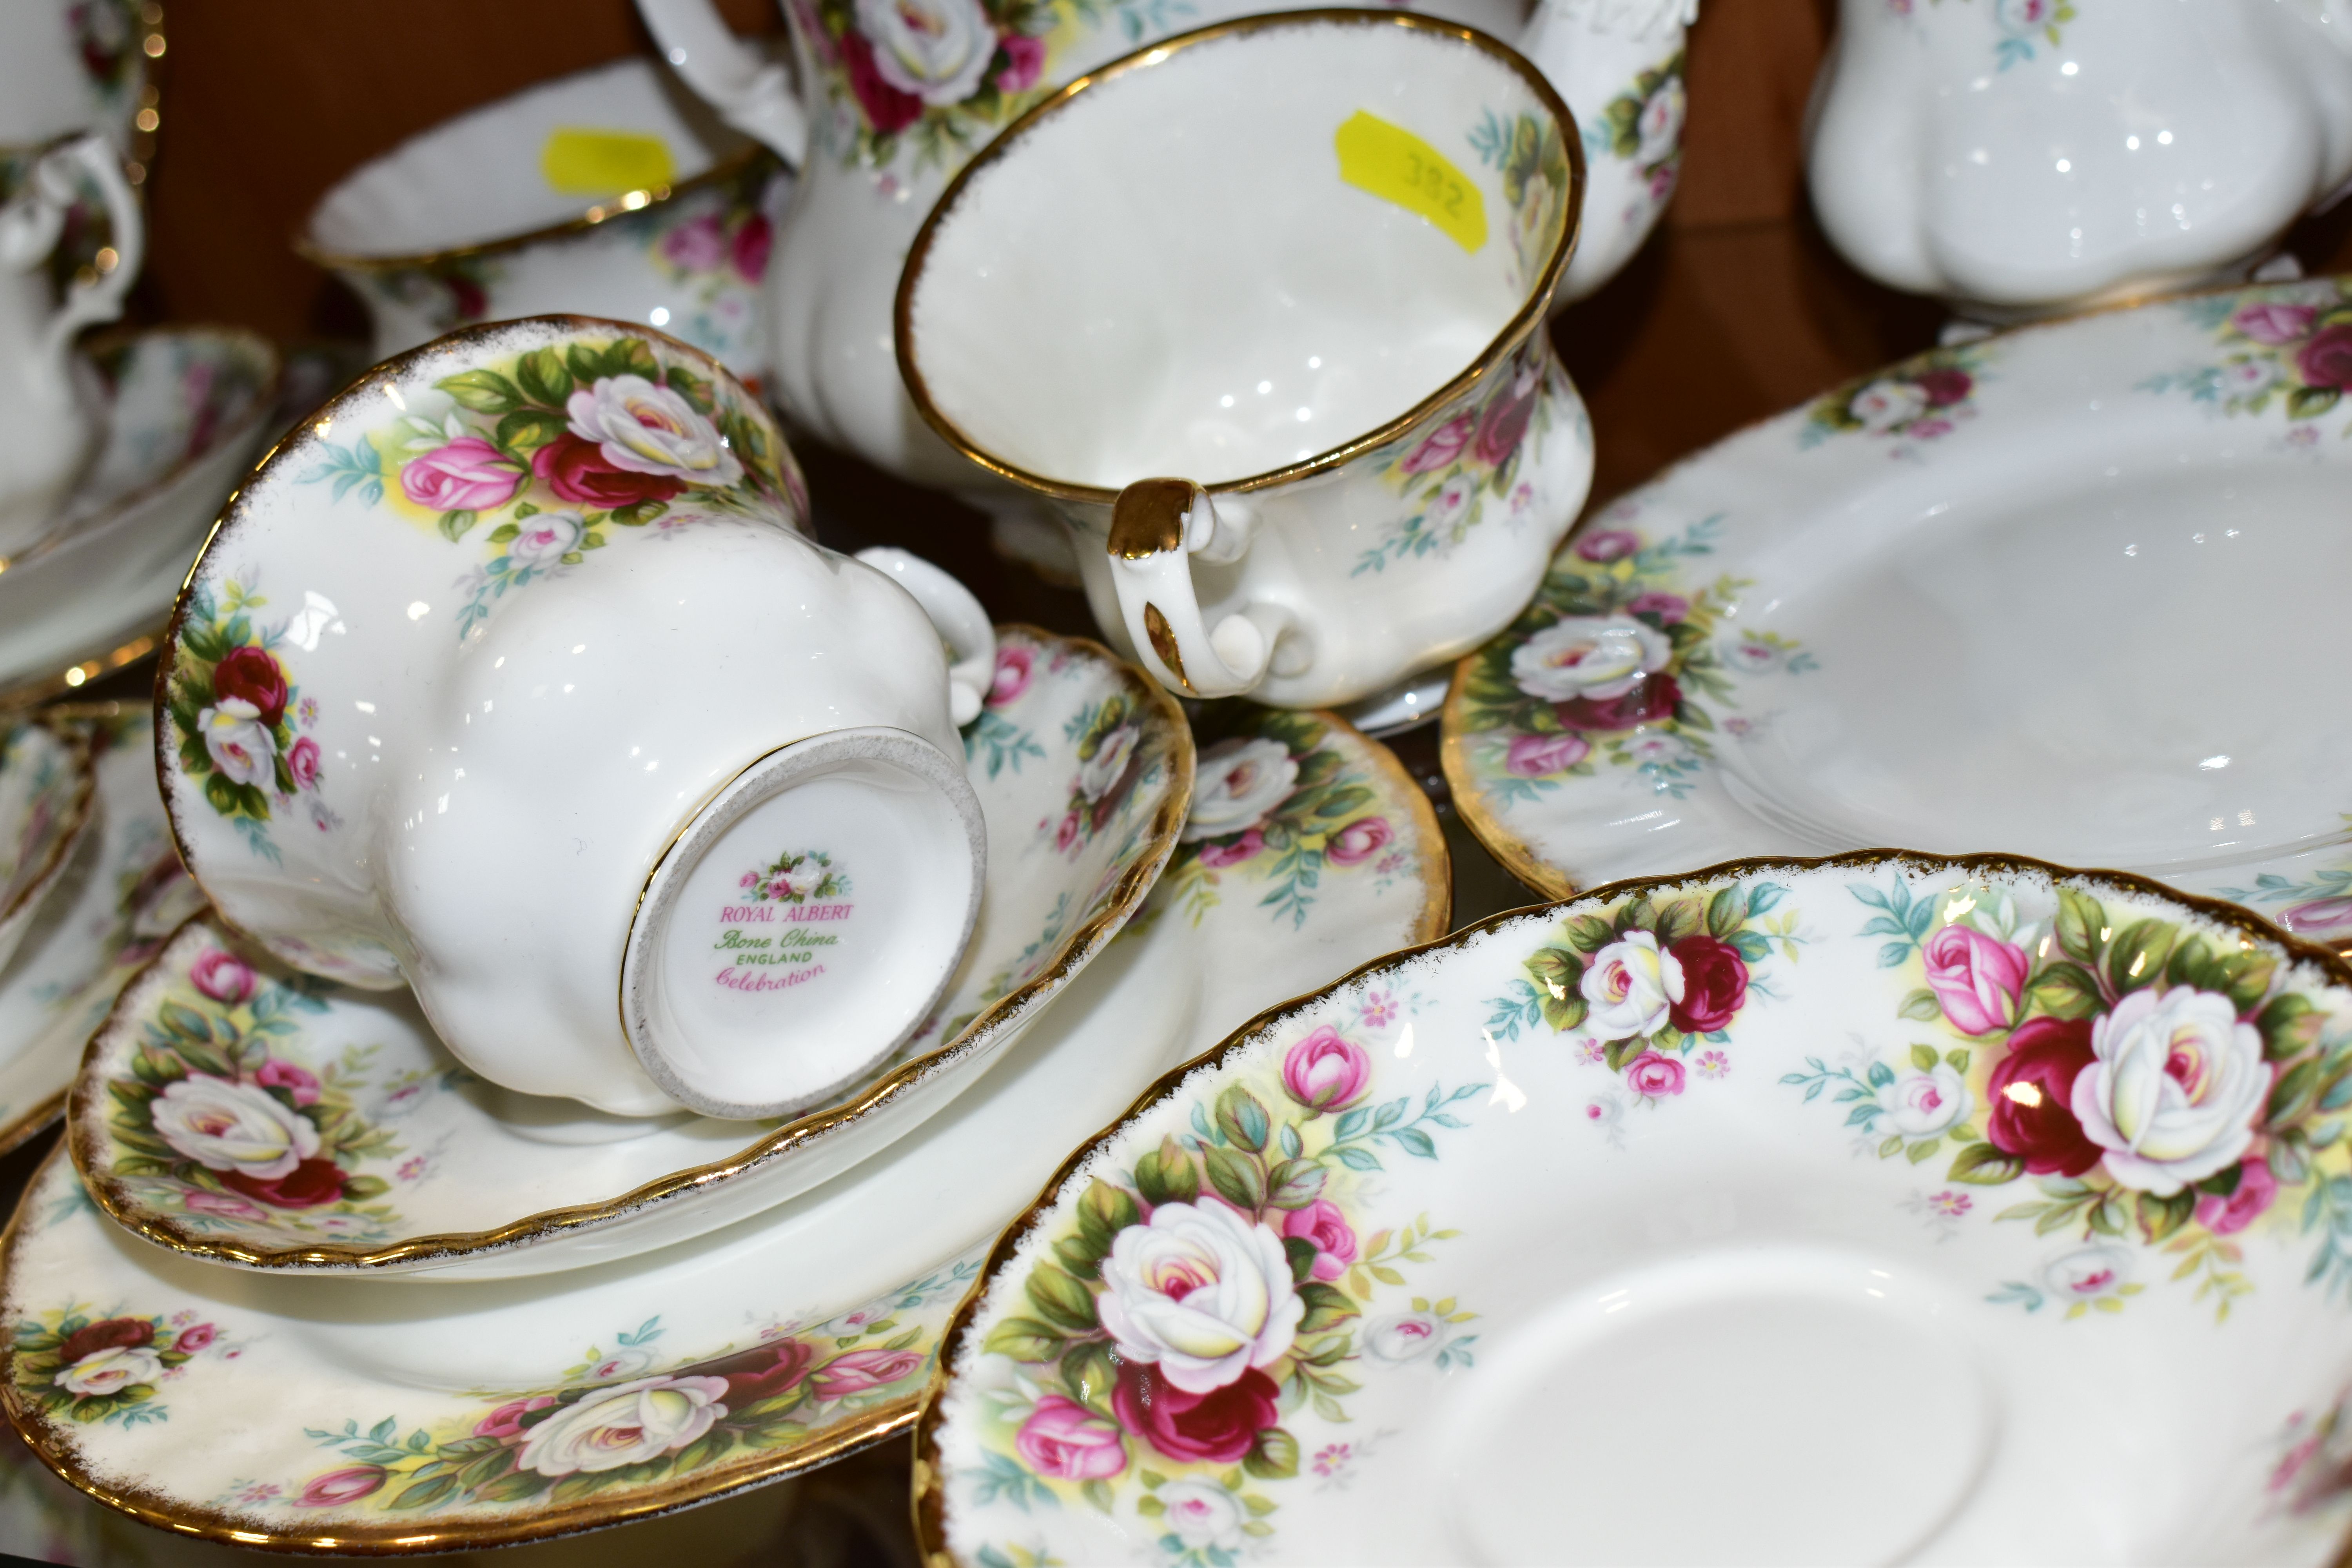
point(188, 406)
point(47, 430)
point(45, 807)
point(1701, 1224)
point(902, 96)
point(2022, 594)
point(71, 65)
point(508, 617)
point(1082, 770)
point(815, 1326)
point(2017, 156)
point(1352, 363)
point(611, 193)
point(120, 893)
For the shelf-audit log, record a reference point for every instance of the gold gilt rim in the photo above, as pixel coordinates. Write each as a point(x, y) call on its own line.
point(85, 800)
point(15, 1135)
point(734, 164)
point(1510, 850)
point(1173, 744)
point(55, 1444)
point(927, 1502)
point(1529, 319)
point(1436, 858)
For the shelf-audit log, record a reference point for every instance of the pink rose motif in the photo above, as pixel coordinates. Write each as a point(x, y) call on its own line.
point(696, 247)
point(1325, 1072)
point(750, 249)
point(222, 977)
point(1664, 608)
point(1977, 978)
point(1653, 1076)
point(2227, 1217)
point(1358, 841)
point(194, 1339)
point(467, 474)
point(506, 1421)
point(1216, 856)
point(1608, 544)
point(2316, 915)
point(1014, 667)
point(1070, 1443)
point(1322, 1223)
point(222, 1204)
point(1441, 446)
point(2277, 325)
point(302, 762)
point(336, 1487)
point(1928, 430)
point(277, 1073)
point(860, 1369)
point(1068, 834)
point(1541, 756)
point(1025, 62)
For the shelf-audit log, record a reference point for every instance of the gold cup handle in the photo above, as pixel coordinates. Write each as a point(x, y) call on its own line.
point(1157, 527)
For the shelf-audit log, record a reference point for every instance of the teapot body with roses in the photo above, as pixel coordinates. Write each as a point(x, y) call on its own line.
point(894, 96)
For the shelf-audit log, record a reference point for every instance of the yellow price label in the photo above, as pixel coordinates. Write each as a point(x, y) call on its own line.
point(578, 161)
point(1397, 167)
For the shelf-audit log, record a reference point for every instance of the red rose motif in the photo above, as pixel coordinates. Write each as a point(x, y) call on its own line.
point(1715, 983)
point(467, 296)
point(860, 1369)
point(1650, 699)
point(2031, 1092)
point(251, 675)
point(887, 109)
point(1217, 1428)
point(2326, 360)
point(750, 249)
point(111, 1334)
point(306, 1186)
point(1025, 62)
point(763, 1371)
point(1944, 387)
point(1505, 419)
point(1219, 853)
point(577, 472)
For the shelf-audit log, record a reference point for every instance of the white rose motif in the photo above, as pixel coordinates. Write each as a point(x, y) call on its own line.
point(1404, 1337)
point(1201, 1515)
point(1663, 751)
point(2245, 377)
point(1589, 656)
point(1926, 1104)
point(2089, 1273)
point(1629, 987)
point(544, 537)
point(226, 1126)
point(1200, 1291)
point(1099, 771)
point(2175, 1088)
point(110, 1371)
point(1883, 405)
point(1661, 123)
point(1752, 655)
point(804, 880)
point(1235, 783)
point(650, 429)
point(239, 742)
point(625, 1424)
point(935, 50)
point(1449, 509)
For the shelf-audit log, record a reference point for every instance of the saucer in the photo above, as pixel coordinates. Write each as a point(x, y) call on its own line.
point(2011, 593)
point(404, 1161)
point(190, 405)
point(46, 793)
point(118, 895)
point(1873, 1209)
point(339, 1414)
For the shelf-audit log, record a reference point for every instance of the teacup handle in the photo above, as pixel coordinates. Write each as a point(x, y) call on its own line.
point(962, 625)
point(34, 229)
point(751, 92)
point(1156, 526)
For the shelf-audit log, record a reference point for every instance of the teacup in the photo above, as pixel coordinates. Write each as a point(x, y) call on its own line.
point(511, 674)
point(76, 65)
point(893, 99)
point(2017, 158)
point(48, 430)
point(1340, 358)
point(611, 193)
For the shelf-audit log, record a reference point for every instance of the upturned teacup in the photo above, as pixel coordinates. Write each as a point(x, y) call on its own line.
point(511, 674)
point(611, 193)
point(1261, 310)
point(49, 428)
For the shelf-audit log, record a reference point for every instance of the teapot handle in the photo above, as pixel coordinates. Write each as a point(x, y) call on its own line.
point(1157, 527)
point(956, 616)
point(90, 300)
point(751, 92)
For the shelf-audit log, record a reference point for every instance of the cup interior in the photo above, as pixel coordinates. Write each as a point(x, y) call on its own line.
point(525, 162)
point(1234, 255)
